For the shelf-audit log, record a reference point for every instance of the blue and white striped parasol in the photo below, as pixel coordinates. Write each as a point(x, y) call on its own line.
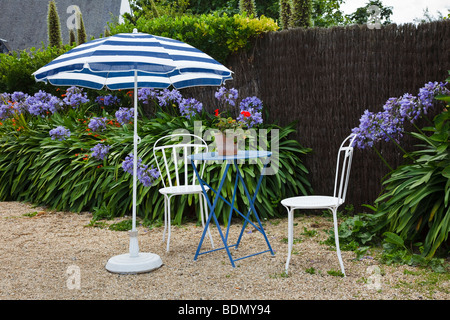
point(112, 62)
point(131, 61)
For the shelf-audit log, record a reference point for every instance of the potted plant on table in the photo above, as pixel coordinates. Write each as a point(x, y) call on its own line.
point(231, 130)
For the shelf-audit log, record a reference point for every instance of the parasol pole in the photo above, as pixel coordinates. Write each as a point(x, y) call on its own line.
point(134, 245)
point(134, 262)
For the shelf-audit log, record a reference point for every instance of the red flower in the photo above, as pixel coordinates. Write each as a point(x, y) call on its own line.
point(246, 114)
point(216, 112)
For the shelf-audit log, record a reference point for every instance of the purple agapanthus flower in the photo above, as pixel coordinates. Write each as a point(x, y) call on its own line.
point(100, 150)
point(145, 175)
point(428, 92)
point(43, 104)
point(107, 101)
point(253, 103)
point(60, 133)
point(75, 96)
point(228, 95)
point(389, 123)
point(409, 107)
point(190, 107)
point(97, 124)
point(169, 97)
point(250, 118)
point(124, 115)
point(13, 104)
point(146, 94)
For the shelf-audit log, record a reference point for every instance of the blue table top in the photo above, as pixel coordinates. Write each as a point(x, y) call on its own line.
point(242, 154)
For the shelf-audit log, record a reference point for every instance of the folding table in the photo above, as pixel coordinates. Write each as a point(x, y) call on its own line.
point(242, 155)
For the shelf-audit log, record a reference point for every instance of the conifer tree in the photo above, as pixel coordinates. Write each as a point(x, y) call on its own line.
point(285, 13)
point(301, 13)
point(247, 6)
point(54, 26)
point(81, 32)
point(72, 37)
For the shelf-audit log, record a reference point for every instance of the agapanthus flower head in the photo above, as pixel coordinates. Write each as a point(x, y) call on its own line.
point(146, 94)
point(228, 95)
point(409, 107)
point(43, 104)
point(107, 101)
point(59, 133)
point(75, 96)
point(147, 176)
point(100, 151)
point(253, 103)
point(389, 124)
point(124, 115)
point(190, 107)
point(428, 92)
point(169, 97)
point(12, 104)
point(97, 124)
point(250, 118)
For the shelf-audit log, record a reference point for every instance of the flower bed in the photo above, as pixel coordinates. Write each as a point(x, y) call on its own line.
point(73, 152)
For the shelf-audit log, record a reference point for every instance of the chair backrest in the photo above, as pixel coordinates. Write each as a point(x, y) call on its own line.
point(343, 166)
point(171, 152)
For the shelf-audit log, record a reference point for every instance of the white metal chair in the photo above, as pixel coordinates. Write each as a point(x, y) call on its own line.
point(344, 162)
point(176, 181)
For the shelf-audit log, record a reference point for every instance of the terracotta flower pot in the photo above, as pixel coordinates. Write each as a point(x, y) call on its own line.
point(226, 144)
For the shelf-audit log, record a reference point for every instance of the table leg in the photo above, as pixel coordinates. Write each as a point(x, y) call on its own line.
point(213, 215)
point(252, 207)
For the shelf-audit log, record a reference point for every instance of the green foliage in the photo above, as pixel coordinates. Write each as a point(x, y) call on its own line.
point(357, 233)
point(413, 209)
point(362, 14)
point(54, 26)
point(285, 13)
point(415, 203)
point(326, 13)
point(150, 9)
point(247, 7)
point(81, 31)
point(301, 13)
point(72, 37)
point(63, 176)
point(218, 36)
point(16, 69)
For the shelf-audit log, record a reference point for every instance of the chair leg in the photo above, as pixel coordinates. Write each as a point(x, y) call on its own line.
point(290, 236)
point(165, 218)
point(336, 237)
point(168, 223)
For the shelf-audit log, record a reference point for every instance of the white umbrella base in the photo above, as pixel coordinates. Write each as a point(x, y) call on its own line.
point(125, 264)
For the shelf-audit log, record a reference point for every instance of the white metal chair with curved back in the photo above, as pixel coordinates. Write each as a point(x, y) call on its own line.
point(176, 181)
point(343, 166)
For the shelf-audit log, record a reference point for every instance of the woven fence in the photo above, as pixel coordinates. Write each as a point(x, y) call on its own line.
point(326, 78)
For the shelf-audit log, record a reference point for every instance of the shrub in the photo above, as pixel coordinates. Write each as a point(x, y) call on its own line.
point(414, 204)
point(16, 70)
point(54, 26)
point(218, 36)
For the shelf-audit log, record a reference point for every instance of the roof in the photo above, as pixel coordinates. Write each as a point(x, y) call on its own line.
point(24, 23)
point(4, 46)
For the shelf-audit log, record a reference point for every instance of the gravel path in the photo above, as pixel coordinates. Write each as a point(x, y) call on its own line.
point(39, 255)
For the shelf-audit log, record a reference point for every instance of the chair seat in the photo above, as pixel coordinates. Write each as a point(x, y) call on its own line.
point(189, 189)
point(312, 202)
